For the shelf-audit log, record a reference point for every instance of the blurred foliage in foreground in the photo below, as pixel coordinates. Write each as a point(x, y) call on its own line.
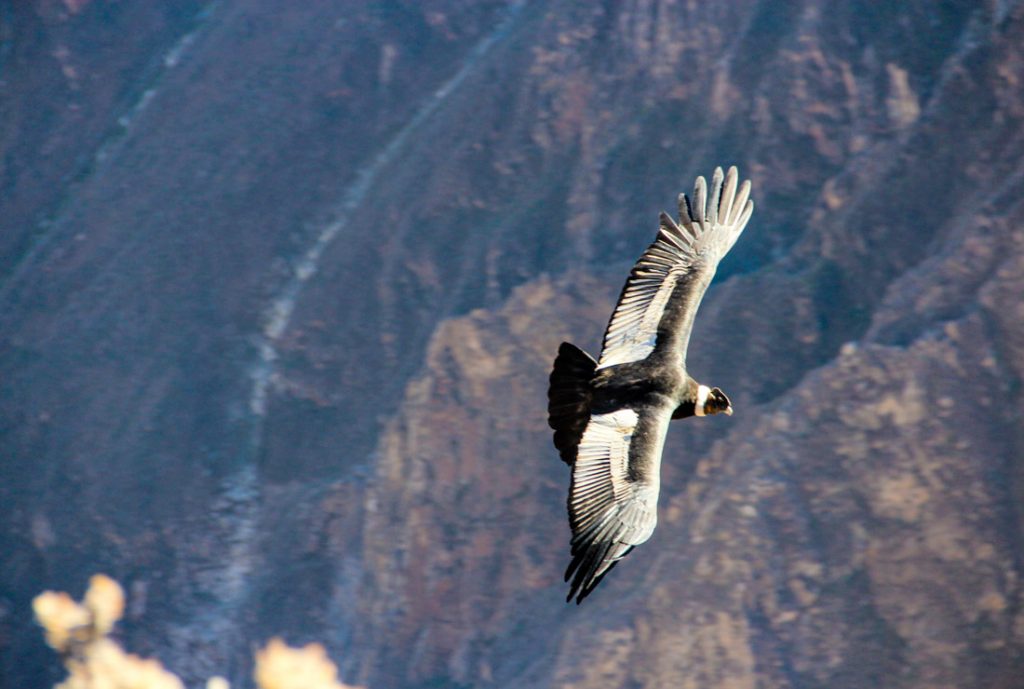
point(78, 631)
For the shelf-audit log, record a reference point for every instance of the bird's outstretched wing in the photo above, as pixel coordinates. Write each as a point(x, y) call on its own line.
point(665, 287)
point(613, 500)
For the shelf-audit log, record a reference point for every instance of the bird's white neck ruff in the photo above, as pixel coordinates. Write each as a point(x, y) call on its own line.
point(702, 398)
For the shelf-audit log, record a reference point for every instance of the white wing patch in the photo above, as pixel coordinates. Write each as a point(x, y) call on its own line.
point(633, 331)
point(602, 463)
point(608, 435)
point(613, 505)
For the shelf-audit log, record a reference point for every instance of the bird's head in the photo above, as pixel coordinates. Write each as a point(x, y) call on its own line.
point(712, 401)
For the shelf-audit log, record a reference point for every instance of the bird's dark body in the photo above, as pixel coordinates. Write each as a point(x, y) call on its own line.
point(610, 416)
point(637, 385)
point(660, 379)
point(644, 386)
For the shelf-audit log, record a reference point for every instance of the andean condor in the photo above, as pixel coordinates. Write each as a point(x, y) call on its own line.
point(610, 416)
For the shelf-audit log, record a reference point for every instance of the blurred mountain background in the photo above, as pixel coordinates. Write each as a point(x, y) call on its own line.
point(281, 283)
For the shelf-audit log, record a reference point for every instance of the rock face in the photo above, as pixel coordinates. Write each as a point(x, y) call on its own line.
point(280, 284)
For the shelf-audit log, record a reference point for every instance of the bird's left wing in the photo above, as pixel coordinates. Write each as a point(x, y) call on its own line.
point(613, 500)
point(665, 287)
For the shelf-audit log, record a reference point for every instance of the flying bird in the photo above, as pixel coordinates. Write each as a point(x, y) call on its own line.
point(610, 416)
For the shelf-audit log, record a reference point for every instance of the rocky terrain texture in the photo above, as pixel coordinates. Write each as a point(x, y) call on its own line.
point(280, 284)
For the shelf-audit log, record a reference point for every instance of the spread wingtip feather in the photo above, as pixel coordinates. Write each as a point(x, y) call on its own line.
point(725, 204)
point(700, 198)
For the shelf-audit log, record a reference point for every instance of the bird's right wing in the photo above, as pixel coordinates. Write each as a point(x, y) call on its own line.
point(613, 500)
point(670, 277)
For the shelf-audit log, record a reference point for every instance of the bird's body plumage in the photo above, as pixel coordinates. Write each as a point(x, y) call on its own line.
point(610, 416)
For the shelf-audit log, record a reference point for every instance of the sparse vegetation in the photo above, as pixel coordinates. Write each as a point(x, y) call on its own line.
point(79, 632)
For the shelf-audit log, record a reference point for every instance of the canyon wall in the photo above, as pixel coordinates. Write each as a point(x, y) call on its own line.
point(281, 283)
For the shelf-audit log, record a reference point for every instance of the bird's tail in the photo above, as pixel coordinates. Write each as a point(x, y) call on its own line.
point(569, 398)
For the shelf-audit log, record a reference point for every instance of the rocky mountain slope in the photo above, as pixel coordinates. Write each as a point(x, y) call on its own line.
point(281, 282)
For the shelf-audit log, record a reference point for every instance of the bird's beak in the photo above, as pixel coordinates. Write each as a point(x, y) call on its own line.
point(728, 410)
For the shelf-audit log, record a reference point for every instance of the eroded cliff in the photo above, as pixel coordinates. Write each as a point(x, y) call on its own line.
point(276, 357)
